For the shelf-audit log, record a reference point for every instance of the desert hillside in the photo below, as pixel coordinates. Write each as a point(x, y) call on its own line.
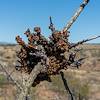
point(84, 82)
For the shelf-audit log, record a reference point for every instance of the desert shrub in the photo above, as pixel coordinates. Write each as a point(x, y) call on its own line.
point(96, 53)
point(84, 92)
point(2, 80)
point(79, 89)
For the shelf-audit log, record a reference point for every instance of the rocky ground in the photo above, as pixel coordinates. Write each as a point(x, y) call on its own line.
point(84, 83)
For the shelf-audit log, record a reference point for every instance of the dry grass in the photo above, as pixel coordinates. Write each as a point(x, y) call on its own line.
point(84, 82)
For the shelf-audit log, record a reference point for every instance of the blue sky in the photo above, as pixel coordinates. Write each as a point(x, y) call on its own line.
point(18, 15)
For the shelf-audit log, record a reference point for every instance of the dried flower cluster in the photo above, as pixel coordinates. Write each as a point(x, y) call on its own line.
point(51, 53)
point(54, 54)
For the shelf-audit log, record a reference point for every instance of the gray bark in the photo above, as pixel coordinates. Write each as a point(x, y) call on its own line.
point(75, 16)
point(29, 81)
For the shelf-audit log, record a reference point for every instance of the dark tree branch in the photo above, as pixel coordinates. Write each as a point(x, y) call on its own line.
point(66, 85)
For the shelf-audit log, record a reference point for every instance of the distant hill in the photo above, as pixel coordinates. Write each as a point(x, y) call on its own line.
point(6, 44)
